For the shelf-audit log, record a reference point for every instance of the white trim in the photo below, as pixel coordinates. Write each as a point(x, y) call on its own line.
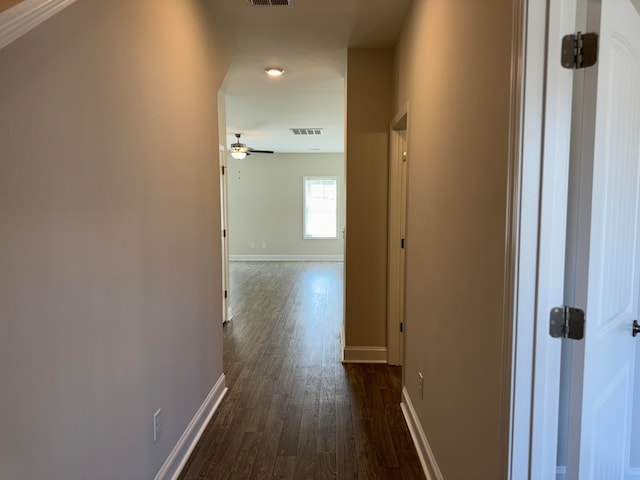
point(552, 231)
point(540, 258)
point(364, 355)
point(517, 251)
point(632, 474)
point(286, 258)
point(25, 16)
point(561, 473)
point(425, 454)
point(178, 457)
point(401, 120)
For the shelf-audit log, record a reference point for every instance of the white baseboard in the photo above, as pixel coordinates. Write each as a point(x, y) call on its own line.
point(427, 458)
point(286, 258)
point(364, 355)
point(178, 457)
point(561, 473)
point(25, 16)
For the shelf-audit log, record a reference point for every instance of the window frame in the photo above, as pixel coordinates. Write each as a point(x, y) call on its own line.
point(306, 178)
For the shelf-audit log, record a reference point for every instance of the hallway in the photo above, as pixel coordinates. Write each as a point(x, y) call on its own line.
point(293, 411)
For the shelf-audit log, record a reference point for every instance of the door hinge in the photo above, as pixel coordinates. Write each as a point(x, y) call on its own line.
point(566, 322)
point(402, 243)
point(223, 169)
point(401, 327)
point(226, 294)
point(224, 233)
point(579, 50)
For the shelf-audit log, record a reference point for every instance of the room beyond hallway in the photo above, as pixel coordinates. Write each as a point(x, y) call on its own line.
point(293, 410)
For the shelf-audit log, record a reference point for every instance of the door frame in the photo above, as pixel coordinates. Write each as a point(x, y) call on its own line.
point(26, 15)
point(397, 233)
point(227, 313)
point(538, 207)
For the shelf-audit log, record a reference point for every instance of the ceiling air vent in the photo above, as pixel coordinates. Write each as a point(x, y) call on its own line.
point(271, 3)
point(306, 131)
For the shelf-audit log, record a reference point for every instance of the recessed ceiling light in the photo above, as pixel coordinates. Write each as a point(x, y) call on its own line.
point(274, 71)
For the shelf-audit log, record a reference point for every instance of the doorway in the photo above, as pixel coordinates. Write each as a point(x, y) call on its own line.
point(224, 219)
point(397, 239)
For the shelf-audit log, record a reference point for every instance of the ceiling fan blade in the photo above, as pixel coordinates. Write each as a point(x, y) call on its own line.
point(260, 151)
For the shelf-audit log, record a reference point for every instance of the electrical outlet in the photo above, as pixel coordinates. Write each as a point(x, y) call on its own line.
point(252, 245)
point(264, 245)
point(156, 425)
point(421, 384)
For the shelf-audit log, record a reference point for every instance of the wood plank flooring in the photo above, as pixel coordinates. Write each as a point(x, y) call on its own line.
point(293, 410)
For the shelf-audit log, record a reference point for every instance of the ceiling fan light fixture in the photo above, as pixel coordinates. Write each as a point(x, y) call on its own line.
point(271, 3)
point(274, 71)
point(238, 150)
point(237, 153)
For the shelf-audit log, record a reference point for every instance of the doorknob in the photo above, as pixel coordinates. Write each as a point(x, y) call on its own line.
point(636, 328)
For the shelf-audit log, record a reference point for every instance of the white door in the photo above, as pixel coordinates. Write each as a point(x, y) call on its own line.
point(603, 363)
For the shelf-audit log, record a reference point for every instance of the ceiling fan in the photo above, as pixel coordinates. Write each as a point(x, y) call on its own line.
point(240, 150)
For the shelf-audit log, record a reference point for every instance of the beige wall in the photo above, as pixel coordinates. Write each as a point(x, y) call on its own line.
point(453, 68)
point(265, 203)
point(109, 244)
point(369, 112)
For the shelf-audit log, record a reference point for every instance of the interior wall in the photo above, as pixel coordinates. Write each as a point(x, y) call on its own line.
point(109, 253)
point(369, 114)
point(266, 204)
point(458, 141)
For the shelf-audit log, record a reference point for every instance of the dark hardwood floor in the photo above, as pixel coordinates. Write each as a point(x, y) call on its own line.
point(293, 410)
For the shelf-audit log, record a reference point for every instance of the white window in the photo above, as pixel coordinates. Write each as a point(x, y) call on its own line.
point(320, 207)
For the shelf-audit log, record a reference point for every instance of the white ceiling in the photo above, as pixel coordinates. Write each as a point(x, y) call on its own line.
point(310, 41)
